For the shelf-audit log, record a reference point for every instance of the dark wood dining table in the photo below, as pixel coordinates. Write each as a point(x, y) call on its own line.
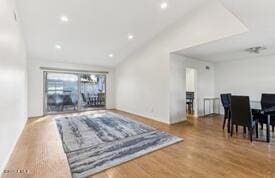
point(267, 112)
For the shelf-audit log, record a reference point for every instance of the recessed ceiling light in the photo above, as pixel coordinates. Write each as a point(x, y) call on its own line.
point(64, 18)
point(256, 49)
point(130, 37)
point(164, 5)
point(57, 46)
point(111, 55)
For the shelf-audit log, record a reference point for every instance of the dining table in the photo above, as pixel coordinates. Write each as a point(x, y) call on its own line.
point(267, 112)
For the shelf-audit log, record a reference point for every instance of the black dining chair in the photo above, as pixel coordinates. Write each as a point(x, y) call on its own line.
point(225, 99)
point(241, 115)
point(190, 102)
point(267, 101)
point(85, 101)
point(54, 102)
point(67, 101)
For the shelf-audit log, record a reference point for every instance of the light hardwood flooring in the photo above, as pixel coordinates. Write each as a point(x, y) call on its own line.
point(207, 151)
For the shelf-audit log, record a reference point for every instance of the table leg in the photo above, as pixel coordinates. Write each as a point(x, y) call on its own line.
point(268, 128)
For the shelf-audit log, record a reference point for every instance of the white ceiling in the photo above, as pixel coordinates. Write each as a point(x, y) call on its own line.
point(96, 28)
point(258, 16)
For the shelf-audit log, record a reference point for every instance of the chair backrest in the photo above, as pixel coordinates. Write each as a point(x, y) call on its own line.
point(268, 100)
point(101, 96)
point(190, 95)
point(83, 97)
point(240, 111)
point(67, 100)
point(54, 99)
point(226, 100)
point(51, 99)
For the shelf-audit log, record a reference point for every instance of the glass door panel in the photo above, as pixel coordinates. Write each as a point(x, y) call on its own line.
point(92, 91)
point(61, 92)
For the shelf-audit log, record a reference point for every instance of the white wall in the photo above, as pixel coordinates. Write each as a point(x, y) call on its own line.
point(35, 83)
point(250, 77)
point(13, 91)
point(205, 86)
point(190, 79)
point(142, 80)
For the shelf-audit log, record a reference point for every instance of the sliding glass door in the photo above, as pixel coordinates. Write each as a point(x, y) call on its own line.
point(71, 92)
point(92, 91)
point(61, 92)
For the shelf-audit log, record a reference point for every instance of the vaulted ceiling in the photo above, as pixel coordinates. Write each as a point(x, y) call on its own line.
point(95, 31)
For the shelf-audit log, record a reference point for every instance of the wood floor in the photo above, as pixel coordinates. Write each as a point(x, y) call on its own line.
point(207, 151)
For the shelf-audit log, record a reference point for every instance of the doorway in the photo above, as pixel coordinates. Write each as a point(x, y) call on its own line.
point(191, 91)
point(73, 92)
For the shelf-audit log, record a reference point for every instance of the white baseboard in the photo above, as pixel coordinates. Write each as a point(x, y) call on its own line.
point(142, 115)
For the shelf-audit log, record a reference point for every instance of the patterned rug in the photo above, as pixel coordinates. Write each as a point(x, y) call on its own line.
point(98, 141)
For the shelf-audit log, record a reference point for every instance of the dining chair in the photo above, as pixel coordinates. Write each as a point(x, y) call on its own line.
point(54, 102)
point(67, 101)
point(225, 99)
point(241, 115)
point(101, 99)
point(267, 101)
point(85, 101)
point(190, 102)
point(51, 102)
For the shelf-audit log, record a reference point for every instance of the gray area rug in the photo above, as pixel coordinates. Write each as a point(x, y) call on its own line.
point(98, 141)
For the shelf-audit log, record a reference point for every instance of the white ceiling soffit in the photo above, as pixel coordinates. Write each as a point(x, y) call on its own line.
point(95, 31)
point(258, 16)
